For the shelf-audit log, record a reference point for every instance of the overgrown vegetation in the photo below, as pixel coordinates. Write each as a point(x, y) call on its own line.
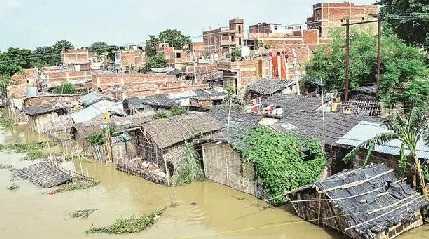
point(82, 214)
point(33, 151)
point(405, 73)
point(77, 183)
point(174, 111)
point(65, 88)
point(283, 162)
point(99, 138)
point(190, 169)
point(130, 225)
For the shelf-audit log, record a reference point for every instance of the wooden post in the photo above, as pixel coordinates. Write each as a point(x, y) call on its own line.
point(347, 61)
point(108, 137)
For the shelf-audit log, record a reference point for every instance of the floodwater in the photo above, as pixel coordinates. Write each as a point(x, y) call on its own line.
point(200, 210)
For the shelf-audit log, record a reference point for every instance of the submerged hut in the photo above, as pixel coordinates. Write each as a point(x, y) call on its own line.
point(222, 157)
point(164, 142)
point(40, 117)
point(365, 203)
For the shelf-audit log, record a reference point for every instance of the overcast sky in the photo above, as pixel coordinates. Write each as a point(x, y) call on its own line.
point(31, 23)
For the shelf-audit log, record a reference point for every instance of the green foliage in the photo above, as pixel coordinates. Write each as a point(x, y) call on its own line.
point(65, 88)
point(102, 48)
point(173, 37)
point(130, 225)
point(235, 54)
point(33, 151)
point(77, 183)
point(175, 110)
point(189, 169)
point(6, 122)
point(97, 138)
point(283, 162)
point(409, 19)
point(405, 73)
point(156, 61)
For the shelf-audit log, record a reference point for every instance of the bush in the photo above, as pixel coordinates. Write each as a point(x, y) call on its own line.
point(66, 88)
point(189, 170)
point(283, 162)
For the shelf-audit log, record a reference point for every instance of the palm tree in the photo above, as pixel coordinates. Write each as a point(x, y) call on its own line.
point(409, 128)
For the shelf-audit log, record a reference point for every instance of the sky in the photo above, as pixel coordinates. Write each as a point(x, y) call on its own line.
point(32, 23)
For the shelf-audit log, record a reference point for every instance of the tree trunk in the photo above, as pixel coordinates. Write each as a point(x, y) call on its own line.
point(420, 176)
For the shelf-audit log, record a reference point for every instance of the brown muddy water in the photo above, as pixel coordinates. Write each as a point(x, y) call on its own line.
point(200, 210)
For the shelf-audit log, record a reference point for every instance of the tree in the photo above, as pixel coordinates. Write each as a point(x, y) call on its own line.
point(99, 48)
point(173, 37)
point(409, 19)
point(14, 60)
point(410, 129)
point(157, 61)
point(405, 73)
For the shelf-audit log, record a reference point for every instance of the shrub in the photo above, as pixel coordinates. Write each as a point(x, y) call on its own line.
point(66, 88)
point(283, 162)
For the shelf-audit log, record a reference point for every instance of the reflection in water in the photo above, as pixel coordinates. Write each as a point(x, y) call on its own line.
point(200, 210)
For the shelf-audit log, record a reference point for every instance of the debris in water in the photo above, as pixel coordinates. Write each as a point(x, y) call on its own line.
point(82, 214)
point(77, 183)
point(44, 174)
point(6, 166)
point(13, 187)
point(130, 225)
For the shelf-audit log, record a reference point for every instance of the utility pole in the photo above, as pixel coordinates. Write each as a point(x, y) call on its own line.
point(347, 61)
point(378, 51)
point(347, 53)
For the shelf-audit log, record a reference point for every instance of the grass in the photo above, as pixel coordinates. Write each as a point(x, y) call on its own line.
point(76, 184)
point(129, 225)
point(33, 151)
point(6, 123)
point(82, 214)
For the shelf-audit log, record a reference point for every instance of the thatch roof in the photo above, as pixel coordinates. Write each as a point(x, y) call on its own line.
point(162, 101)
point(370, 200)
point(173, 130)
point(41, 110)
point(269, 87)
point(44, 174)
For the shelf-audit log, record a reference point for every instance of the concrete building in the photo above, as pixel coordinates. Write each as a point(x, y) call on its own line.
point(327, 16)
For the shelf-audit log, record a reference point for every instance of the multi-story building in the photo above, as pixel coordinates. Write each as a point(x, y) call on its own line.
point(222, 40)
point(328, 16)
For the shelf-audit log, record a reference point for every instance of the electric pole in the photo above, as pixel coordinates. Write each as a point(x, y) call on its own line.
point(378, 51)
point(347, 62)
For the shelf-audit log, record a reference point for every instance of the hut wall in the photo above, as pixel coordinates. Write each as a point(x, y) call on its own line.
point(225, 166)
point(123, 151)
point(42, 123)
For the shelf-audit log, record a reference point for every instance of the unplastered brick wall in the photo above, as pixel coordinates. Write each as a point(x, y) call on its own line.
point(56, 78)
point(75, 57)
point(26, 76)
point(52, 100)
point(139, 85)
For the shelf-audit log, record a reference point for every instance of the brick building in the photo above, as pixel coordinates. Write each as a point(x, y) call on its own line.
point(79, 59)
point(51, 78)
point(222, 40)
point(327, 16)
point(130, 60)
point(122, 86)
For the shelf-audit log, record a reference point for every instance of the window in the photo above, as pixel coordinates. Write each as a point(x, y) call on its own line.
point(239, 29)
point(178, 55)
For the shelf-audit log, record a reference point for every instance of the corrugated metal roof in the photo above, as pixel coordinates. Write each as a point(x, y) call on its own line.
point(91, 98)
point(367, 130)
point(96, 110)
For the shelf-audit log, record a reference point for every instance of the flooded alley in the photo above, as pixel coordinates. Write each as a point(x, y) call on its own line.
point(199, 210)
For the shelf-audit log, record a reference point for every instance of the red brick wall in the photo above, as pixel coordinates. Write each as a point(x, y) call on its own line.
point(142, 84)
point(311, 36)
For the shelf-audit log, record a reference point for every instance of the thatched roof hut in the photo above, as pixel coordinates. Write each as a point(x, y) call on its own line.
point(365, 203)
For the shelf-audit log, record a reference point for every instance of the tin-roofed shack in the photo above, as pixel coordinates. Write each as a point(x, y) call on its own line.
point(365, 203)
point(162, 143)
